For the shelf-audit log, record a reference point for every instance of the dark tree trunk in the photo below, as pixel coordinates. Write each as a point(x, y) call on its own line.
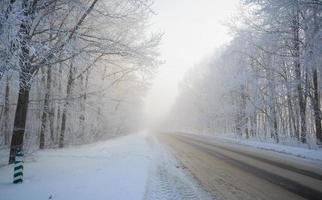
point(51, 123)
point(19, 122)
point(316, 106)
point(64, 114)
point(246, 128)
point(6, 114)
point(276, 136)
point(63, 128)
point(316, 93)
point(58, 120)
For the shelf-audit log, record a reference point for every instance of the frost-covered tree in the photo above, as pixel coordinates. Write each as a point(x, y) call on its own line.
point(67, 58)
point(266, 82)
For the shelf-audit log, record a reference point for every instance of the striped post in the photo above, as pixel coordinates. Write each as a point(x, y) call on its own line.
point(18, 170)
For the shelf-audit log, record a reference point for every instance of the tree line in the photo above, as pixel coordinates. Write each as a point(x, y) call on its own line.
point(266, 83)
point(72, 71)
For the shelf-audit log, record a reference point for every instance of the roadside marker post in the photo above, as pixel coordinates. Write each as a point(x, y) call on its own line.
point(18, 170)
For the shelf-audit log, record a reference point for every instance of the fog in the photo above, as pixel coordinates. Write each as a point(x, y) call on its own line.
point(192, 30)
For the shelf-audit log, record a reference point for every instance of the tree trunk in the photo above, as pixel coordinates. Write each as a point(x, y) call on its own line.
point(19, 122)
point(291, 119)
point(246, 128)
point(45, 110)
point(82, 116)
point(316, 93)
point(25, 78)
point(58, 118)
point(316, 105)
point(241, 115)
point(63, 127)
point(6, 114)
point(64, 114)
point(51, 124)
point(298, 73)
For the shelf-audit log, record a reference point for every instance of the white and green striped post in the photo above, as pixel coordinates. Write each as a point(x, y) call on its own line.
point(18, 170)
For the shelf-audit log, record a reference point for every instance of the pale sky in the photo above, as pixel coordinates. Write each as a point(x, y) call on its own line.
point(192, 30)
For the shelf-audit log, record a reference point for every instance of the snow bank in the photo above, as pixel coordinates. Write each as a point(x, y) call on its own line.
point(115, 169)
point(312, 154)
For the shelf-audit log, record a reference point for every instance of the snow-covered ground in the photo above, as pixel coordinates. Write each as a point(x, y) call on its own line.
point(132, 167)
point(300, 151)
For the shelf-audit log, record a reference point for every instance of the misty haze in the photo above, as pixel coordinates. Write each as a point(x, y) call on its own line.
point(160, 99)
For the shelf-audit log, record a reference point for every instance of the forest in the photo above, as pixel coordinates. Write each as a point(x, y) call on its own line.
point(264, 84)
point(72, 72)
point(160, 99)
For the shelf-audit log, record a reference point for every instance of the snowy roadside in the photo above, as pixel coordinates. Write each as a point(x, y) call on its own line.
point(114, 169)
point(131, 167)
point(311, 154)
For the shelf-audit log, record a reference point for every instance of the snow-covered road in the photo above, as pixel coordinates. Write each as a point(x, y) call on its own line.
point(132, 167)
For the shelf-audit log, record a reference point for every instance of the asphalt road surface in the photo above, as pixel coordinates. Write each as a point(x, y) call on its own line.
point(232, 171)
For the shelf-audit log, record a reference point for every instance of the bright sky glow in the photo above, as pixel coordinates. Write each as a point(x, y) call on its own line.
point(193, 29)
